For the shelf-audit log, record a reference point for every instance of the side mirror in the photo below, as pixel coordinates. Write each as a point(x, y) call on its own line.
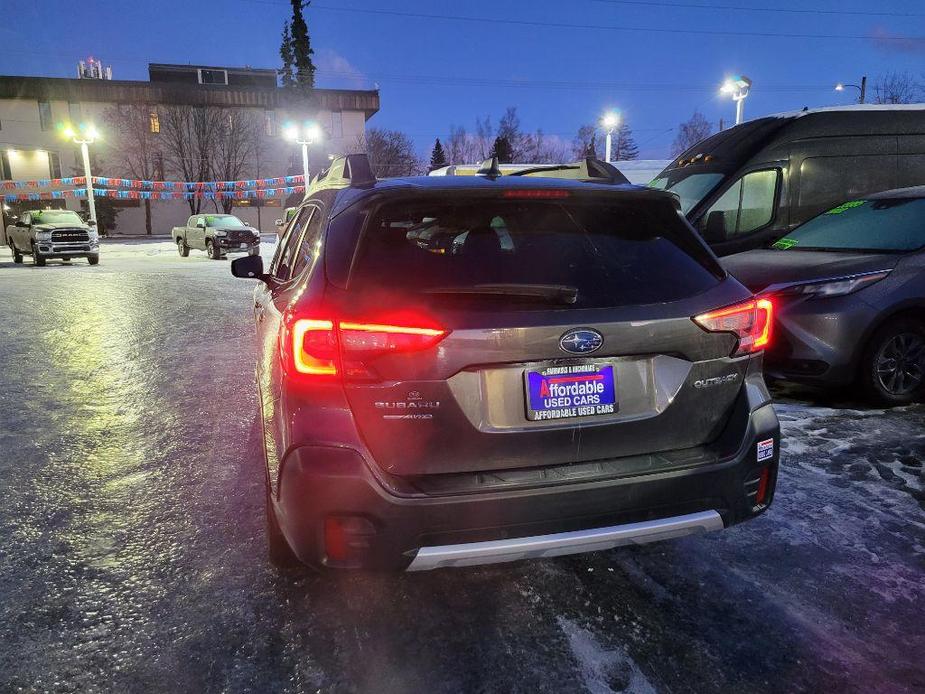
point(250, 267)
point(201, 225)
point(715, 231)
point(91, 222)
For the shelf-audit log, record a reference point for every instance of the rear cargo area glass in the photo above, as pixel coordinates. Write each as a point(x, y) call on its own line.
point(613, 254)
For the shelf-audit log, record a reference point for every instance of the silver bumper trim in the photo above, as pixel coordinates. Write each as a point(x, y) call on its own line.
point(557, 544)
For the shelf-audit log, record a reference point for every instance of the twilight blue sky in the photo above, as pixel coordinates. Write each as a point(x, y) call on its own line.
point(436, 71)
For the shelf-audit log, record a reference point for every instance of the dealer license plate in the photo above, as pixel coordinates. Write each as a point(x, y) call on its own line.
point(564, 392)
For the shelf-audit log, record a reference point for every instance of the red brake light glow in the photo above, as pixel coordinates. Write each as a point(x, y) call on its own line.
point(536, 194)
point(750, 322)
point(320, 349)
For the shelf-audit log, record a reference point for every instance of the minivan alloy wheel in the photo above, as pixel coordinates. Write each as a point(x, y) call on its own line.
point(901, 364)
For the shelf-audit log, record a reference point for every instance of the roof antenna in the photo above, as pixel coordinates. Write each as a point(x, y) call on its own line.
point(490, 168)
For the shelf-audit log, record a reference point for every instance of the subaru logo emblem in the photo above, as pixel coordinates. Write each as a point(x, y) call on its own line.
point(581, 341)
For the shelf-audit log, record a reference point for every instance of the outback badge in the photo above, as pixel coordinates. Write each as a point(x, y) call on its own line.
point(581, 341)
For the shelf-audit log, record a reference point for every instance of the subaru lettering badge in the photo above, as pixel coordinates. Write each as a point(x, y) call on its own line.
point(581, 341)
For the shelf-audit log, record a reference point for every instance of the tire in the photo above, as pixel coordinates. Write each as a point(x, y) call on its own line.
point(93, 259)
point(182, 248)
point(279, 552)
point(213, 251)
point(37, 258)
point(893, 366)
point(17, 256)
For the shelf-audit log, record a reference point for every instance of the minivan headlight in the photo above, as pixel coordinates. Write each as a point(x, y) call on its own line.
point(839, 286)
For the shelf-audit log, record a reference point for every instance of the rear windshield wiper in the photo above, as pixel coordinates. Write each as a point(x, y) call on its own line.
point(557, 293)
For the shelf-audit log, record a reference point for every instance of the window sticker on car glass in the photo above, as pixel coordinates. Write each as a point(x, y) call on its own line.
point(846, 206)
point(784, 244)
point(210, 219)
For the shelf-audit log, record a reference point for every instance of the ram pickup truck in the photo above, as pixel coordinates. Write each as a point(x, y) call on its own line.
point(45, 234)
point(217, 235)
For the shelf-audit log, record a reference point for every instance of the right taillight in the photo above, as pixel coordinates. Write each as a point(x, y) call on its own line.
point(328, 348)
point(750, 322)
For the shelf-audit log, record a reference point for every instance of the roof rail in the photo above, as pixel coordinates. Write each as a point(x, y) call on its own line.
point(589, 169)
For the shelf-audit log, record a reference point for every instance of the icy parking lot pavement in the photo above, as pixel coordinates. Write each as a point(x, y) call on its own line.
point(132, 553)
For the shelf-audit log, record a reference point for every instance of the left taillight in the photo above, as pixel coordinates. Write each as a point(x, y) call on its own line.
point(329, 348)
point(750, 322)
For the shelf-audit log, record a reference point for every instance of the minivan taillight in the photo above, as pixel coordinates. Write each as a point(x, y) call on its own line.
point(326, 348)
point(749, 321)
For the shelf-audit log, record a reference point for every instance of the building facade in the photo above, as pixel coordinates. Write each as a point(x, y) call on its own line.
point(33, 109)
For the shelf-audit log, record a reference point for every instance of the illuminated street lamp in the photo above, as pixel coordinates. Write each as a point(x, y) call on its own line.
point(84, 135)
point(609, 122)
point(308, 134)
point(862, 88)
point(737, 87)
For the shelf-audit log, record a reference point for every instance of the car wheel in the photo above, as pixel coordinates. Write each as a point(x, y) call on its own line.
point(280, 553)
point(37, 258)
point(894, 363)
point(213, 251)
point(182, 248)
point(17, 256)
point(93, 259)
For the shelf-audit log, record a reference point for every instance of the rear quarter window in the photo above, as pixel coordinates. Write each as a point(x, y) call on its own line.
point(613, 253)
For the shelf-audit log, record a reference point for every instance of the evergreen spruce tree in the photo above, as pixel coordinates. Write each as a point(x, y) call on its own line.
point(437, 156)
point(503, 150)
point(624, 146)
point(285, 54)
point(302, 52)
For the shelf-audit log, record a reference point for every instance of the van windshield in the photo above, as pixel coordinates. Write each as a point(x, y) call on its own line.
point(691, 188)
point(581, 254)
point(884, 225)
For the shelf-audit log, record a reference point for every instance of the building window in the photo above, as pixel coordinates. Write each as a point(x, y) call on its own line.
point(54, 164)
point(45, 115)
point(73, 112)
point(6, 171)
point(269, 119)
point(337, 124)
point(213, 76)
point(154, 123)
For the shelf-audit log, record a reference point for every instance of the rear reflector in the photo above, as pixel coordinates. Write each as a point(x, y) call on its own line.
point(762, 496)
point(750, 322)
point(320, 349)
point(532, 194)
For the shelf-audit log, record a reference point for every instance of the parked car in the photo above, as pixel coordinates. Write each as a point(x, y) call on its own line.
point(747, 186)
point(216, 234)
point(571, 370)
point(283, 221)
point(848, 288)
point(46, 234)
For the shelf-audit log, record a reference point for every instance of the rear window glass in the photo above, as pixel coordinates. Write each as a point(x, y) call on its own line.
point(599, 254)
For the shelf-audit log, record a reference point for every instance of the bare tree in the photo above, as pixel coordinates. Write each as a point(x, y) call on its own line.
point(391, 153)
point(188, 135)
point(484, 137)
point(690, 132)
point(235, 146)
point(135, 146)
point(586, 142)
point(896, 88)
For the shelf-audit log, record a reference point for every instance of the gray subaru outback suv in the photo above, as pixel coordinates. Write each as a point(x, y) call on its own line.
point(465, 370)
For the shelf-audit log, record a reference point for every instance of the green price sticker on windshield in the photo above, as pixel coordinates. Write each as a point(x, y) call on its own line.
point(846, 206)
point(784, 244)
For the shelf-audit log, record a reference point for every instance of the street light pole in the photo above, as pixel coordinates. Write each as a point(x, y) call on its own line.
point(610, 121)
point(85, 135)
point(307, 135)
point(85, 155)
point(862, 88)
point(737, 87)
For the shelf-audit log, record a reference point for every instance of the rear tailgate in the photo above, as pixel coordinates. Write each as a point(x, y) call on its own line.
point(465, 403)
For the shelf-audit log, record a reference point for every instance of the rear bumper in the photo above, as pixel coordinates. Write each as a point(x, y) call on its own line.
point(385, 527)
